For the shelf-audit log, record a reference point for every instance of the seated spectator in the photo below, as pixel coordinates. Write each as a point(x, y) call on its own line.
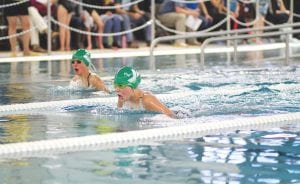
point(37, 15)
point(95, 14)
point(296, 10)
point(123, 13)
point(217, 11)
point(81, 20)
point(174, 14)
point(234, 9)
point(88, 23)
point(37, 25)
point(245, 12)
point(203, 14)
point(140, 15)
point(112, 24)
point(277, 13)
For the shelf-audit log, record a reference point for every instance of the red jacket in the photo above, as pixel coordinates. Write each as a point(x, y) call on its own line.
point(43, 8)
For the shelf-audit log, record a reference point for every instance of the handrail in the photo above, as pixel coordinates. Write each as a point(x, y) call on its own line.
point(192, 35)
point(218, 33)
point(215, 33)
point(204, 44)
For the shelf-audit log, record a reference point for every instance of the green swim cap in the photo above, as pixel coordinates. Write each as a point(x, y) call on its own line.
point(127, 76)
point(82, 55)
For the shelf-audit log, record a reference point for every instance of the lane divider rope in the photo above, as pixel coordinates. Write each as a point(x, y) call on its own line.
point(149, 136)
point(90, 101)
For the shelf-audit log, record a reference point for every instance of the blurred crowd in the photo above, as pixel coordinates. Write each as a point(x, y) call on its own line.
point(86, 23)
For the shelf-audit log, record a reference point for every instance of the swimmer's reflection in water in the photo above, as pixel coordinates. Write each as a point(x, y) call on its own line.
point(84, 78)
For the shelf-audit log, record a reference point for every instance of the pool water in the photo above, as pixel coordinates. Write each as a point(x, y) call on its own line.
point(222, 90)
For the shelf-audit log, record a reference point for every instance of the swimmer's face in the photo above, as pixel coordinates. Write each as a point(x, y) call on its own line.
point(124, 92)
point(79, 67)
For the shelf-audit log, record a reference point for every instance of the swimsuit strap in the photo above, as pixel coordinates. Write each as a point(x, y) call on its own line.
point(142, 96)
point(141, 99)
point(88, 79)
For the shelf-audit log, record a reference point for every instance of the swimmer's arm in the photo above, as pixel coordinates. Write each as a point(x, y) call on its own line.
point(98, 84)
point(151, 103)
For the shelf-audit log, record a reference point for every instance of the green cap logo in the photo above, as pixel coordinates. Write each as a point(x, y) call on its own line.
point(127, 76)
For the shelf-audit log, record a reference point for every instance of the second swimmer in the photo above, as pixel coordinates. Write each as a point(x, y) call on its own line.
point(81, 60)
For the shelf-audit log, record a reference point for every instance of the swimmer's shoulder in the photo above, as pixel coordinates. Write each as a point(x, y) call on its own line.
point(94, 76)
point(147, 97)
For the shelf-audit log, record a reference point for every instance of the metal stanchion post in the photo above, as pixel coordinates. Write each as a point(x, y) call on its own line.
point(49, 26)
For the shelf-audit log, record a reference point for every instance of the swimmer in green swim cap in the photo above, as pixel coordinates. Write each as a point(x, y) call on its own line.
point(81, 61)
point(126, 85)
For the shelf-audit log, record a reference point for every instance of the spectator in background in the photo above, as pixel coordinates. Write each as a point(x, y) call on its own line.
point(234, 10)
point(296, 10)
point(203, 14)
point(38, 18)
point(65, 10)
point(89, 24)
point(246, 12)
point(81, 20)
point(174, 14)
point(106, 21)
point(42, 7)
point(112, 24)
point(37, 15)
point(38, 25)
point(277, 12)
point(263, 6)
point(12, 13)
point(95, 14)
point(215, 9)
point(221, 6)
point(123, 13)
point(140, 14)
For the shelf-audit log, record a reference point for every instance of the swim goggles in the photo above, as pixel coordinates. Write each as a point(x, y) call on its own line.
point(120, 86)
point(78, 61)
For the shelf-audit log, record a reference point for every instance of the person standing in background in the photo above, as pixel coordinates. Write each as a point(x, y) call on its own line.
point(12, 13)
point(65, 10)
